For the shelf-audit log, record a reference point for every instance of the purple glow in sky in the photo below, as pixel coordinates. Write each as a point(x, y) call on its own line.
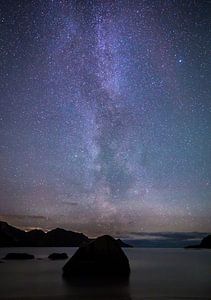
point(105, 115)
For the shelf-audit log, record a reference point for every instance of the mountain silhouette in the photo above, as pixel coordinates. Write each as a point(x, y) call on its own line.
point(13, 237)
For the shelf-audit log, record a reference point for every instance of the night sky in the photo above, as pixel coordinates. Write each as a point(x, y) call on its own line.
point(105, 120)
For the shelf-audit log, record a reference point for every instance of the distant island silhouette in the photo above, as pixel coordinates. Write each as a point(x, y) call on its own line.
point(11, 236)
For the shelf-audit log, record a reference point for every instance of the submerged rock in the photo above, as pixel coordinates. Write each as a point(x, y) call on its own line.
point(101, 257)
point(57, 256)
point(19, 256)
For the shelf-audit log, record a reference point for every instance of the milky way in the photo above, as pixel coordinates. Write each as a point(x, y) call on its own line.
point(105, 115)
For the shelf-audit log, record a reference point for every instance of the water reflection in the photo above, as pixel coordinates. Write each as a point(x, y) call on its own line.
point(98, 288)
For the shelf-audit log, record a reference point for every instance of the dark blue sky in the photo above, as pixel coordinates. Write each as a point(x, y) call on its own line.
point(105, 115)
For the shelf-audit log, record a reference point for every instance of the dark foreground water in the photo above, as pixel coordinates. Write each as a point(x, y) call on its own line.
point(155, 274)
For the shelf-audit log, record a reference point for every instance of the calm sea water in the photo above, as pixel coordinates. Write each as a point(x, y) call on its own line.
point(155, 274)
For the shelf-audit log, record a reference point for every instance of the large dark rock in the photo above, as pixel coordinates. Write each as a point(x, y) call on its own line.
point(57, 256)
point(205, 243)
point(18, 256)
point(101, 257)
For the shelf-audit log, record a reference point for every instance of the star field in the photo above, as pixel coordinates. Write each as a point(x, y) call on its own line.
point(105, 115)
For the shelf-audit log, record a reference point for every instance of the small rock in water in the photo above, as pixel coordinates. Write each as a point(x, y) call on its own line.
point(19, 256)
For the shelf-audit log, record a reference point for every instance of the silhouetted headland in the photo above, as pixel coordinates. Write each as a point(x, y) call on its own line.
point(205, 244)
point(13, 237)
point(102, 257)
